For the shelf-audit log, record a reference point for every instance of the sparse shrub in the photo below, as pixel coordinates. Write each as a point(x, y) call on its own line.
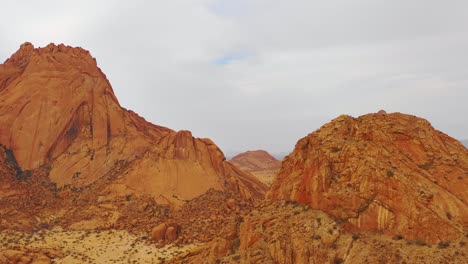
point(10, 158)
point(335, 149)
point(425, 166)
point(235, 245)
point(23, 175)
point(397, 237)
point(304, 147)
point(76, 175)
point(449, 215)
point(356, 236)
point(389, 173)
point(72, 132)
point(443, 244)
point(362, 208)
point(420, 242)
point(338, 260)
point(340, 220)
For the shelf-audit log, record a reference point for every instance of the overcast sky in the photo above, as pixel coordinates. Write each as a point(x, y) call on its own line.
point(260, 74)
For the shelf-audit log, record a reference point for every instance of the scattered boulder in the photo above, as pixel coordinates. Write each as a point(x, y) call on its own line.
point(159, 232)
point(171, 234)
point(220, 247)
point(165, 232)
point(26, 256)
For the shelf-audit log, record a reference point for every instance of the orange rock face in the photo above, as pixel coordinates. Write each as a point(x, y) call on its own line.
point(57, 109)
point(392, 173)
point(259, 163)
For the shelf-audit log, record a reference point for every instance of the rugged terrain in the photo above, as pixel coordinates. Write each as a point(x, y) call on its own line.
point(72, 157)
point(289, 232)
point(84, 180)
point(391, 173)
point(259, 163)
point(57, 109)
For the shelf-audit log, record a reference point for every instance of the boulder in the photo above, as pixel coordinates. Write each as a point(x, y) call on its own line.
point(159, 232)
point(171, 234)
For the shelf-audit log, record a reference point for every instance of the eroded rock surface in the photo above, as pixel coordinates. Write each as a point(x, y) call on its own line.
point(392, 173)
point(289, 232)
point(58, 110)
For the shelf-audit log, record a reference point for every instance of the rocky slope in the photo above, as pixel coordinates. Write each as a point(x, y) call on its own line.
point(259, 163)
point(392, 173)
point(288, 232)
point(58, 110)
point(81, 177)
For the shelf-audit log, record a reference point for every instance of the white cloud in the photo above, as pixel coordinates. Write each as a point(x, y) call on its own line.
point(307, 62)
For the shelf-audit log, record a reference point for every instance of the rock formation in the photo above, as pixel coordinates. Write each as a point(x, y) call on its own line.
point(259, 163)
point(75, 164)
point(58, 110)
point(392, 173)
point(288, 232)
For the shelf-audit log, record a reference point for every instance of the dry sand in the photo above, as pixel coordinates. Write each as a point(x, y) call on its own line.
point(112, 246)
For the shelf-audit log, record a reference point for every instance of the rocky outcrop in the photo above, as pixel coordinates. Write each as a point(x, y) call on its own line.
point(165, 232)
point(392, 173)
point(58, 110)
point(288, 232)
point(28, 255)
point(259, 163)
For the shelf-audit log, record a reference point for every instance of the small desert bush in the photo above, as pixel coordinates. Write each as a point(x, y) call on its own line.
point(443, 244)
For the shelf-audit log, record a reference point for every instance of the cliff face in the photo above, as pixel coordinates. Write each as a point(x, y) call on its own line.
point(259, 163)
point(58, 110)
point(392, 173)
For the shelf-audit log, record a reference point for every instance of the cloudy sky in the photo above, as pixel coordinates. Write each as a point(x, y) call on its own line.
point(260, 74)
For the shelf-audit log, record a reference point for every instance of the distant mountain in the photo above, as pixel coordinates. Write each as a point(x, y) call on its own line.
point(278, 155)
point(258, 162)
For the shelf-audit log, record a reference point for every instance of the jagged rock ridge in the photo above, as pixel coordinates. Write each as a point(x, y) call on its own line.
point(392, 173)
point(58, 110)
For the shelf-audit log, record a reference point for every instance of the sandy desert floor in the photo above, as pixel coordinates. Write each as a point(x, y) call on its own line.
point(112, 246)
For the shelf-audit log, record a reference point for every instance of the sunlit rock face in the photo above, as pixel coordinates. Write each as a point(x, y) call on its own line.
point(57, 109)
point(392, 173)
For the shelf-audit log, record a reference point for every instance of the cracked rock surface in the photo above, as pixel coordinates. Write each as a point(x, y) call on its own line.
point(392, 173)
